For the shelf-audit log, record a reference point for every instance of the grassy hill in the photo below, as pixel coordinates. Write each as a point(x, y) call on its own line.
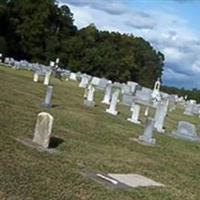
point(93, 140)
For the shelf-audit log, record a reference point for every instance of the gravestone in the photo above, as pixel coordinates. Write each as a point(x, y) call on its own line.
point(1, 57)
point(48, 97)
point(133, 86)
point(160, 115)
point(147, 137)
point(35, 77)
point(144, 96)
point(188, 109)
point(186, 131)
point(84, 81)
point(135, 109)
point(146, 112)
point(156, 91)
point(47, 77)
point(112, 109)
point(95, 81)
point(73, 76)
point(102, 84)
point(52, 64)
point(43, 129)
point(107, 96)
point(89, 96)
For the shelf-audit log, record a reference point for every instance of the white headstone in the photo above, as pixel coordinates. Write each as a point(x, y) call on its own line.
point(35, 77)
point(160, 115)
point(89, 96)
point(112, 109)
point(47, 78)
point(43, 129)
point(135, 114)
point(156, 91)
point(107, 95)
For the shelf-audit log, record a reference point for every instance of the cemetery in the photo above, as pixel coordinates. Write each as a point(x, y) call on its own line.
point(99, 100)
point(78, 140)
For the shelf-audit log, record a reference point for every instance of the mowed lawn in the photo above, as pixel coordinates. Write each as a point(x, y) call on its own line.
point(92, 140)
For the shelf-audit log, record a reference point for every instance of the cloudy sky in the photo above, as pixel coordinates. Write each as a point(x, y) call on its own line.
point(171, 26)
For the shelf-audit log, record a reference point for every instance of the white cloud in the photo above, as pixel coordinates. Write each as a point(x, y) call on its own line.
point(166, 31)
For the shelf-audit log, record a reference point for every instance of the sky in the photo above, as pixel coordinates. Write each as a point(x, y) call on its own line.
point(171, 26)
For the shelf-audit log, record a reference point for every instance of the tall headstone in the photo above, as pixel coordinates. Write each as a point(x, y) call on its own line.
point(1, 57)
point(147, 137)
point(188, 109)
point(146, 112)
point(47, 78)
point(107, 95)
point(48, 97)
point(135, 109)
point(160, 115)
point(156, 91)
point(89, 96)
point(43, 129)
point(112, 109)
point(35, 77)
point(84, 81)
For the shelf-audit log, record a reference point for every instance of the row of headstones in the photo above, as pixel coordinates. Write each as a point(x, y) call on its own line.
point(44, 125)
point(44, 122)
point(185, 130)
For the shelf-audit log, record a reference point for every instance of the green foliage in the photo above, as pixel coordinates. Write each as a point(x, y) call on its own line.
point(41, 31)
point(191, 94)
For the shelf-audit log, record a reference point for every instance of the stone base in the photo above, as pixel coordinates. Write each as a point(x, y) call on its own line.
point(45, 105)
point(89, 103)
point(105, 102)
point(150, 141)
point(133, 121)
point(141, 142)
point(160, 130)
point(185, 137)
point(30, 143)
point(112, 112)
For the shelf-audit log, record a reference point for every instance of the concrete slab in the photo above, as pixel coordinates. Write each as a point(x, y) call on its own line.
point(135, 180)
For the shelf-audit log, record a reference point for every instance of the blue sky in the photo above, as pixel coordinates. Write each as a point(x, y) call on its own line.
point(171, 26)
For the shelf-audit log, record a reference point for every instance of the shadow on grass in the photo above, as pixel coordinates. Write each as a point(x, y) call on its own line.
point(55, 142)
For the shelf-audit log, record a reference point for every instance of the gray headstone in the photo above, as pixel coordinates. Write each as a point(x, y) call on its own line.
point(147, 137)
point(48, 97)
point(186, 131)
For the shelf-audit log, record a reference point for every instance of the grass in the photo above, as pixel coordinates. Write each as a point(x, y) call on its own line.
point(93, 140)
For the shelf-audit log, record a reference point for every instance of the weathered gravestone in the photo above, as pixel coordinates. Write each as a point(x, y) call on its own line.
point(147, 137)
point(188, 109)
point(47, 78)
point(112, 109)
point(103, 84)
point(89, 96)
point(156, 91)
point(107, 95)
point(73, 76)
point(127, 97)
point(48, 97)
point(135, 109)
point(43, 129)
point(160, 115)
point(186, 131)
point(35, 77)
point(84, 81)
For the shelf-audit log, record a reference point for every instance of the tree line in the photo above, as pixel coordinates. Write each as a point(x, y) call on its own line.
point(41, 30)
